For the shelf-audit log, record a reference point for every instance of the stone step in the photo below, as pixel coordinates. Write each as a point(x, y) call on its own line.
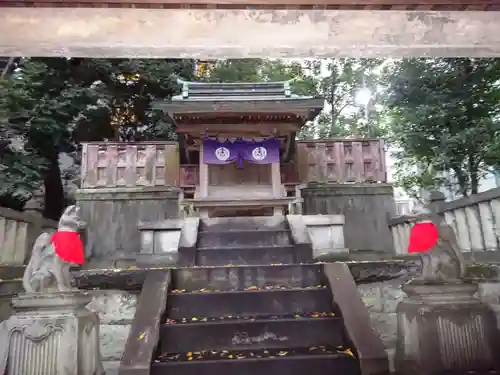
point(247, 255)
point(239, 238)
point(249, 302)
point(249, 333)
point(315, 364)
point(242, 277)
point(242, 223)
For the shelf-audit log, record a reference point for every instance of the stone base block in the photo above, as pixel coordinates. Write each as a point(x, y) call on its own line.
point(161, 241)
point(444, 328)
point(50, 334)
point(325, 233)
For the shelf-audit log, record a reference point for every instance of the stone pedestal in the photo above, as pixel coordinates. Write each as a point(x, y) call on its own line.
point(324, 233)
point(50, 334)
point(444, 328)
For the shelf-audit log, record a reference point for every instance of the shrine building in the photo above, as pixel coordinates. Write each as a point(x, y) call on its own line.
point(242, 138)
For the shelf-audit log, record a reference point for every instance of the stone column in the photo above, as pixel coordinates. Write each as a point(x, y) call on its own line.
point(203, 175)
point(51, 334)
point(444, 327)
point(34, 207)
point(276, 186)
point(436, 202)
point(203, 181)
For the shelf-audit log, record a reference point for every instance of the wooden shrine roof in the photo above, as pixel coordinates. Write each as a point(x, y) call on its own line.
point(249, 102)
point(448, 5)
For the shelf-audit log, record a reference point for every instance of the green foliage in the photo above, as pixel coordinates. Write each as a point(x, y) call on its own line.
point(20, 168)
point(343, 78)
point(50, 105)
point(444, 116)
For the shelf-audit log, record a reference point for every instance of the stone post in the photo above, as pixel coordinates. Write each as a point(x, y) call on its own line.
point(34, 207)
point(436, 202)
point(51, 334)
point(442, 326)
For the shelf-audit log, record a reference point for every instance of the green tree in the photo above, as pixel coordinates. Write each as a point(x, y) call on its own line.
point(444, 118)
point(230, 70)
point(51, 105)
point(344, 117)
point(344, 77)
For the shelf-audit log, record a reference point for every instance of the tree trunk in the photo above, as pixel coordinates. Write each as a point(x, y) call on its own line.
point(462, 181)
point(472, 168)
point(473, 172)
point(54, 190)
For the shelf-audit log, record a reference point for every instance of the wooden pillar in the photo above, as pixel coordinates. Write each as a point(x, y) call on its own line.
point(203, 178)
point(276, 180)
point(276, 184)
point(203, 175)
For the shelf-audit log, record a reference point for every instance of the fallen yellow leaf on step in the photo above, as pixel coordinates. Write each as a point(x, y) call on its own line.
point(348, 352)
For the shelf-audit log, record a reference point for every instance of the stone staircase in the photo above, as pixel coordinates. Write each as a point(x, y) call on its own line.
point(252, 305)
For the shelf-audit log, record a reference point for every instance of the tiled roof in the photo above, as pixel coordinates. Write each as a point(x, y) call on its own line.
point(199, 91)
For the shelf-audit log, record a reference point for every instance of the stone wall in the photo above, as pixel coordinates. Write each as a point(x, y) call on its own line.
point(116, 309)
point(365, 206)
point(18, 232)
point(381, 299)
point(112, 215)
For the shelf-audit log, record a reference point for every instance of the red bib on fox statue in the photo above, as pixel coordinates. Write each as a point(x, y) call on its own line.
point(423, 237)
point(68, 246)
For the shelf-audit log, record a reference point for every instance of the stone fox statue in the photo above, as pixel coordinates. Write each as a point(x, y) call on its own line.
point(49, 267)
point(444, 262)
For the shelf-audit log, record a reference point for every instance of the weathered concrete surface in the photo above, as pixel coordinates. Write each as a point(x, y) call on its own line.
point(116, 309)
point(102, 32)
point(366, 208)
point(381, 299)
point(323, 232)
point(112, 233)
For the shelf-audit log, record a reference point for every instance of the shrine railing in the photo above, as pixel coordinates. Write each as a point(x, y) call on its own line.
point(114, 165)
point(18, 231)
point(156, 164)
point(341, 160)
point(475, 219)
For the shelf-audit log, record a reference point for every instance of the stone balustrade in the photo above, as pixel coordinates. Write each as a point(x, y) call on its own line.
point(475, 219)
point(18, 231)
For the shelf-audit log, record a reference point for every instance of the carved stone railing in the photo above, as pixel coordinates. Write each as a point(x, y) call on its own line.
point(342, 160)
point(129, 165)
point(18, 231)
point(475, 219)
point(116, 165)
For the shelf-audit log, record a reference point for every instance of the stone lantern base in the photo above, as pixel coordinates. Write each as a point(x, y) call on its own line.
point(444, 328)
point(50, 334)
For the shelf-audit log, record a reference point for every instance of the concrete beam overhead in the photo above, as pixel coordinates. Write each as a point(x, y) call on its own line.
point(167, 33)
